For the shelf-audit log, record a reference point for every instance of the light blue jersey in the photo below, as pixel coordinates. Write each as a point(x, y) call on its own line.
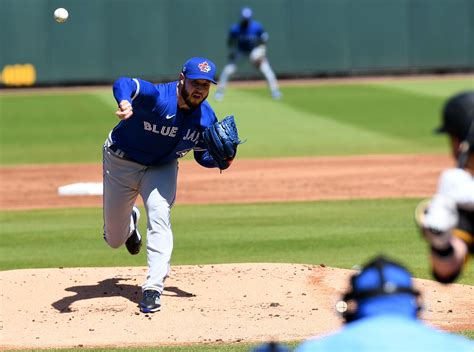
point(388, 333)
point(158, 131)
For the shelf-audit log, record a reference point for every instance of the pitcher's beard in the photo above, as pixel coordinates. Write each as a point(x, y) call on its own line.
point(188, 101)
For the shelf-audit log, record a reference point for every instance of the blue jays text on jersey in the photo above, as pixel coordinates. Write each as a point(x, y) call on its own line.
point(248, 37)
point(158, 131)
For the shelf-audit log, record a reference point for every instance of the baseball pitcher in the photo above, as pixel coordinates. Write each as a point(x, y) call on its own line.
point(160, 123)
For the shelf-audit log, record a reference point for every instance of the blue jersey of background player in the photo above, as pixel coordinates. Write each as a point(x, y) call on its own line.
point(246, 35)
point(248, 39)
point(159, 124)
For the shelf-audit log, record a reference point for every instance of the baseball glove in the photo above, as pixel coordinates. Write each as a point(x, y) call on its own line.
point(222, 140)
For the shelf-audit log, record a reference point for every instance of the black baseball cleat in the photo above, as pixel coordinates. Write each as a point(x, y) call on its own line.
point(134, 241)
point(150, 302)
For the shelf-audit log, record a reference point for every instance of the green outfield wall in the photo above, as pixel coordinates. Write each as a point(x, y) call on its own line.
point(104, 39)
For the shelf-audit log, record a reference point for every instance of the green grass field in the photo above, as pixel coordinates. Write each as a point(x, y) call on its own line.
point(301, 232)
point(354, 119)
point(316, 120)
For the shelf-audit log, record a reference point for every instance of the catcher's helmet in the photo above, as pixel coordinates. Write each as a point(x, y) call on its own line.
point(458, 116)
point(380, 286)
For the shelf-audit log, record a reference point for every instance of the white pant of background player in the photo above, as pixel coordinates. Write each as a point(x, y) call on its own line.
point(258, 57)
point(123, 181)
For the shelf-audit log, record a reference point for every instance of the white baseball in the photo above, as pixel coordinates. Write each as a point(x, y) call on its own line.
point(61, 15)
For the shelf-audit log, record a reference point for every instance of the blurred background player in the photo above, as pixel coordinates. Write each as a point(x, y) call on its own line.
point(159, 124)
point(381, 314)
point(247, 39)
point(447, 220)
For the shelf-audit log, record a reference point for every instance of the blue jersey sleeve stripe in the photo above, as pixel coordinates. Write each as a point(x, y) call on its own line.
point(138, 88)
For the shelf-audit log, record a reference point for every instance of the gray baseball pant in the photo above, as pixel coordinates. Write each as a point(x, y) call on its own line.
point(123, 181)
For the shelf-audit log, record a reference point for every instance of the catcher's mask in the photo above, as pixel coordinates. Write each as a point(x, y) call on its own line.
point(381, 278)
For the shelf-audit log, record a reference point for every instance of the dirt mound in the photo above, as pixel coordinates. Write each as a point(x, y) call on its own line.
point(97, 307)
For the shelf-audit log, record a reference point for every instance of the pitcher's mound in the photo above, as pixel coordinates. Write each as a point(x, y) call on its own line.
point(98, 307)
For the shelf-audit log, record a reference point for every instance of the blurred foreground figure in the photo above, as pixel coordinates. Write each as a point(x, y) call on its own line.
point(381, 314)
point(447, 220)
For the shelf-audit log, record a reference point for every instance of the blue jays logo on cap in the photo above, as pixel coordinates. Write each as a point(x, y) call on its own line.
point(200, 68)
point(204, 67)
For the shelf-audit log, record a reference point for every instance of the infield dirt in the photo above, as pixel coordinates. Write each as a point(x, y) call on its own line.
point(248, 181)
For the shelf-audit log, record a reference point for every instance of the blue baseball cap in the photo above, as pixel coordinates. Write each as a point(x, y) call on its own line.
point(246, 13)
point(382, 274)
point(200, 68)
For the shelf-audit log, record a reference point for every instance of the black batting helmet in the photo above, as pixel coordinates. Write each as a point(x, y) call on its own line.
point(458, 116)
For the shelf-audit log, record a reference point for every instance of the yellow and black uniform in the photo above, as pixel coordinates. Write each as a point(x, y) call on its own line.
point(465, 228)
